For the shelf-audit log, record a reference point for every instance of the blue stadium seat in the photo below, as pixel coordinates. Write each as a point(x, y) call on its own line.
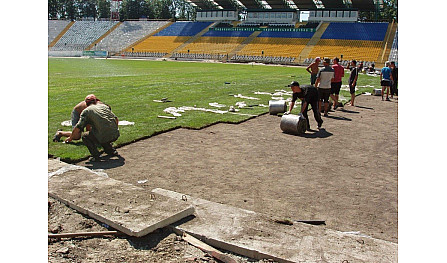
point(217, 33)
point(356, 31)
point(286, 34)
point(184, 29)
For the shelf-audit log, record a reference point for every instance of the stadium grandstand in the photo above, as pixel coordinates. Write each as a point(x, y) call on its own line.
point(268, 31)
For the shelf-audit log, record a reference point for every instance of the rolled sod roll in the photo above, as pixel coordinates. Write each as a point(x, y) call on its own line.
point(377, 92)
point(293, 124)
point(277, 106)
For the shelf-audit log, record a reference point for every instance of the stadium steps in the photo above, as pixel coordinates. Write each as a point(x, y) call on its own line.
point(60, 35)
point(129, 48)
point(103, 36)
point(243, 44)
point(387, 43)
point(313, 41)
point(192, 39)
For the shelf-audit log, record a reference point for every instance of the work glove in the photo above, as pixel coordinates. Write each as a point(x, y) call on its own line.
point(286, 113)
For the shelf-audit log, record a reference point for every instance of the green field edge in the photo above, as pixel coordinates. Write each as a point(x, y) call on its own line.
point(76, 160)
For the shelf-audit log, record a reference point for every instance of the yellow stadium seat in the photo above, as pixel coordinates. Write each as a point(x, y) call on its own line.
point(275, 47)
point(162, 44)
point(350, 49)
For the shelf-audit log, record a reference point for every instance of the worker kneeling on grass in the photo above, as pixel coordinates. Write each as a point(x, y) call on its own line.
point(104, 130)
point(309, 95)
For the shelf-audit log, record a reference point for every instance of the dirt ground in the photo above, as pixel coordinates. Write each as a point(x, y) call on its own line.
point(345, 174)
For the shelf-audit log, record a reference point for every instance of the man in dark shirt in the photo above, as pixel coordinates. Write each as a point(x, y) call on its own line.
point(104, 130)
point(309, 95)
point(394, 75)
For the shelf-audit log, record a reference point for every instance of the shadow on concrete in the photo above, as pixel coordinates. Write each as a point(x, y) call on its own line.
point(363, 107)
point(150, 240)
point(322, 133)
point(339, 118)
point(349, 111)
point(106, 162)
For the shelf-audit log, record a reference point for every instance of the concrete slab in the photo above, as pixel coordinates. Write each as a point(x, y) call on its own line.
point(125, 207)
point(258, 236)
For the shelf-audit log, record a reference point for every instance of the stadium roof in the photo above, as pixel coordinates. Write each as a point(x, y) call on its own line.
point(362, 5)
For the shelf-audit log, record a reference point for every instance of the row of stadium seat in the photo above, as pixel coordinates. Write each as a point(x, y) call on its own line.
point(164, 44)
point(356, 31)
point(267, 44)
point(81, 34)
point(55, 27)
point(184, 29)
point(350, 49)
point(213, 45)
point(127, 33)
point(275, 47)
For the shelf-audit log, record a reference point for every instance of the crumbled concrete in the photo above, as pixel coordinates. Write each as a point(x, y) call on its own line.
point(124, 207)
point(258, 236)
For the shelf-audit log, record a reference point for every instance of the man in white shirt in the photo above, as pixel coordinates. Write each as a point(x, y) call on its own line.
point(323, 84)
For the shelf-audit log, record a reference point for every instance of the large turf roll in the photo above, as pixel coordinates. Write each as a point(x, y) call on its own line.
point(277, 106)
point(293, 124)
point(377, 92)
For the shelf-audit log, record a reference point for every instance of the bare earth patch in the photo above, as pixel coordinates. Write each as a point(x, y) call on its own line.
point(345, 174)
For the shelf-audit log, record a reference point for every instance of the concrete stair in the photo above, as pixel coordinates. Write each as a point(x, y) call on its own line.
point(129, 48)
point(242, 45)
point(313, 42)
point(387, 43)
point(192, 39)
point(103, 36)
point(60, 35)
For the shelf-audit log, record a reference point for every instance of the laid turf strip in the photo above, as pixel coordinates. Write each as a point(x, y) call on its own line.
point(131, 86)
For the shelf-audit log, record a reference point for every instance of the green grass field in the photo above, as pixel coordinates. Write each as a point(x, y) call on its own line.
point(130, 86)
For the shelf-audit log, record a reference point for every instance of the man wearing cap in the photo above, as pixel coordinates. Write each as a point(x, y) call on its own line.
point(313, 70)
point(323, 84)
point(75, 115)
point(309, 95)
point(104, 128)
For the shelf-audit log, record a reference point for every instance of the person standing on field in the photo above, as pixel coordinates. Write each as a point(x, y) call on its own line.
point(386, 79)
point(339, 73)
point(313, 70)
point(353, 80)
point(323, 84)
point(394, 75)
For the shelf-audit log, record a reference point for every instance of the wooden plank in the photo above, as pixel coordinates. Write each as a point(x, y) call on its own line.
point(204, 247)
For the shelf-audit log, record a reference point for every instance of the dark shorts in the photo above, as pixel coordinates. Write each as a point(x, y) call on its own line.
point(323, 94)
point(335, 88)
point(313, 78)
point(75, 116)
point(385, 83)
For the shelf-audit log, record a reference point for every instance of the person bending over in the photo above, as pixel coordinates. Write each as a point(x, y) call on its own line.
point(309, 95)
point(104, 129)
